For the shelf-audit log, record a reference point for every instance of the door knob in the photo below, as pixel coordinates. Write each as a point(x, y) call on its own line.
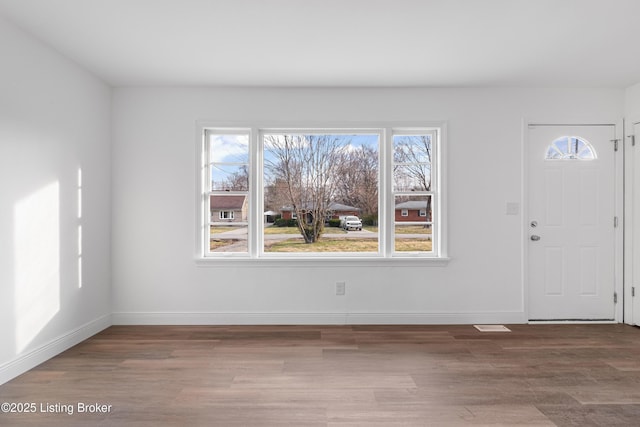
point(535, 238)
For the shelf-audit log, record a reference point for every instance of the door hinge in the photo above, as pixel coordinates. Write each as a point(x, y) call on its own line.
point(615, 144)
point(615, 297)
point(633, 291)
point(633, 140)
point(615, 222)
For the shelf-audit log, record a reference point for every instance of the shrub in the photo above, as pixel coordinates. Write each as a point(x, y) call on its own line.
point(370, 220)
point(334, 223)
point(285, 222)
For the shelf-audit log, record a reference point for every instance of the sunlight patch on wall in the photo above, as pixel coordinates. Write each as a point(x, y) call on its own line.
point(79, 256)
point(79, 227)
point(37, 262)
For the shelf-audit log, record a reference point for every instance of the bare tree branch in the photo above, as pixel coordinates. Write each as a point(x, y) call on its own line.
point(306, 165)
point(412, 158)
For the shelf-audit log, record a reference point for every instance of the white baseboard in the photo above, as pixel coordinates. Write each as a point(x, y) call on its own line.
point(487, 318)
point(572, 322)
point(191, 318)
point(23, 362)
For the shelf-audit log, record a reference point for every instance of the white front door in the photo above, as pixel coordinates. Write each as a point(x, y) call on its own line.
point(571, 220)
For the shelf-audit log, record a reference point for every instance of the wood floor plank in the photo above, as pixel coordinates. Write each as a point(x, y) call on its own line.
point(365, 375)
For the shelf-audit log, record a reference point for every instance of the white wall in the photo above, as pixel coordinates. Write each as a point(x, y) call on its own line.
point(54, 119)
point(632, 102)
point(155, 278)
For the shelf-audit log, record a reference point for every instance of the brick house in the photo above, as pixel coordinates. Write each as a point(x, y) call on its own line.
point(336, 210)
point(412, 211)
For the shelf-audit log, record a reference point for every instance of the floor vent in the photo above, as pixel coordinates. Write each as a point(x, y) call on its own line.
point(492, 328)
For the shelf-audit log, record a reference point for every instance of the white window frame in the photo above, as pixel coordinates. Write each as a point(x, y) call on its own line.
point(205, 190)
point(404, 212)
point(230, 216)
point(386, 218)
point(436, 193)
point(422, 212)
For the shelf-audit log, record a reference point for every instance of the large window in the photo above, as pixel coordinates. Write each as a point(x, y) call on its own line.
point(334, 192)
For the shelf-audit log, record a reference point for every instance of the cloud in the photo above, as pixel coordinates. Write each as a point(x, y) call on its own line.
point(230, 148)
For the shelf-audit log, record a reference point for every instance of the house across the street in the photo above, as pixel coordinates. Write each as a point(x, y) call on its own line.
point(412, 211)
point(232, 208)
point(336, 210)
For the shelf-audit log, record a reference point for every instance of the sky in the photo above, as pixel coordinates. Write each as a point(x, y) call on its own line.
point(233, 151)
point(229, 153)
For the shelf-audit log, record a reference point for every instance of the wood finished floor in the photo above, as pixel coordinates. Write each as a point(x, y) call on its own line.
point(537, 375)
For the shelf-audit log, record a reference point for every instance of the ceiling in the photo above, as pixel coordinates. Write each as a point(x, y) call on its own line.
point(343, 43)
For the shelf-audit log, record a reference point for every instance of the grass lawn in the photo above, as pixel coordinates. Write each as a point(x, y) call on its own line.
point(294, 230)
point(281, 230)
point(346, 245)
point(324, 245)
point(220, 243)
point(412, 229)
point(215, 229)
point(413, 245)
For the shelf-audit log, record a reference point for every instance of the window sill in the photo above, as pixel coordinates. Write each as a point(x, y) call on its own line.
point(324, 262)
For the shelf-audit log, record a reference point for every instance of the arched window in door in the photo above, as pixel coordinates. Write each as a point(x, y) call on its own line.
point(570, 148)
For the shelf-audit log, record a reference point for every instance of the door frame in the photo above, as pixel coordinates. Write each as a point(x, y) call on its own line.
point(619, 210)
point(631, 224)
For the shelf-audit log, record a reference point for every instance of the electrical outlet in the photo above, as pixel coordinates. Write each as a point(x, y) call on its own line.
point(340, 288)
